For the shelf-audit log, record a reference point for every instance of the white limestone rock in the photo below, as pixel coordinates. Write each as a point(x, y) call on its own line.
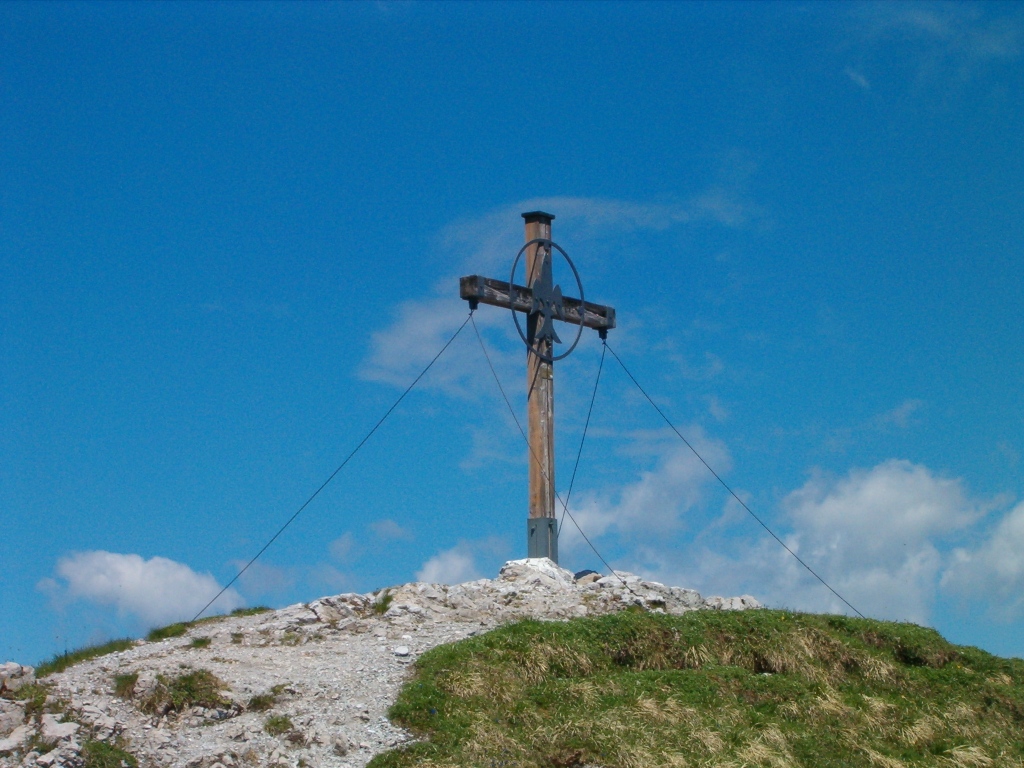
point(12, 714)
point(16, 739)
point(687, 598)
point(13, 676)
point(339, 607)
point(537, 571)
point(101, 725)
point(742, 603)
point(52, 729)
point(145, 685)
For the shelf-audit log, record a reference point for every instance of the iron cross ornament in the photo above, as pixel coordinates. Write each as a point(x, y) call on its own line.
point(546, 302)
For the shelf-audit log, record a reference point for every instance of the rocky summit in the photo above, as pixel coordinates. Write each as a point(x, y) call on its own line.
point(307, 685)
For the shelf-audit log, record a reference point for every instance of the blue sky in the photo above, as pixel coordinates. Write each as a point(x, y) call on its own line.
point(230, 235)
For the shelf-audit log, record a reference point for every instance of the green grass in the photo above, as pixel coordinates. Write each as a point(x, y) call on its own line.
point(171, 630)
point(753, 688)
point(62, 661)
point(39, 745)
point(124, 685)
point(383, 602)
point(98, 754)
point(180, 628)
point(254, 611)
point(261, 702)
point(198, 688)
point(276, 725)
point(33, 695)
point(200, 642)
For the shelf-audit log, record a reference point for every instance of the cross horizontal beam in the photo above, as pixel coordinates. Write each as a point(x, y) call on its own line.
point(499, 293)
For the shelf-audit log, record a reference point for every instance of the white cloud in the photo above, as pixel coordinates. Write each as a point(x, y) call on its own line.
point(874, 516)
point(460, 563)
point(657, 502)
point(389, 529)
point(452, 566)
point(876, 536)
point(156, 591)
point(994, 571)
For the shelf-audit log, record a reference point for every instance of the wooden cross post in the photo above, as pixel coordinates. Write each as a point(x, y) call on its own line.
point(542, 303)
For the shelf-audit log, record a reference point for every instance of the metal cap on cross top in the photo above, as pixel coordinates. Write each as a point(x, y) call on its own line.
point(542, 302)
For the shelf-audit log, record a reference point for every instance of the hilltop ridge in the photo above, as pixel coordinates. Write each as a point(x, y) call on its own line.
point(306, 685)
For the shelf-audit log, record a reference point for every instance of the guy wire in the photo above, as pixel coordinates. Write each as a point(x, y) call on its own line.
point(730, 490)
point(583, 437)
point(340, 466)
point(565, 508)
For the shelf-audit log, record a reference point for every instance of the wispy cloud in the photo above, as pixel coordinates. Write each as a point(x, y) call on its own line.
point(657, 502)
point(389, 530)
point(898, 418)
point(399, 352)
point(264, 580)
point(155, 591)
point(1009, 454)
point(452, 566)
point(490, 446)
point(486, 245)
point(858, 79)
point(326, 576)
point(461, 563)
point(486, 242)
point(901, 416)
point(943, 42)
point(718, 411)
point(958, 29)
point(342, 546)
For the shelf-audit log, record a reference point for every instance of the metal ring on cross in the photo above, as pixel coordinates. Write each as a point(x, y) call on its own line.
point(540, 242)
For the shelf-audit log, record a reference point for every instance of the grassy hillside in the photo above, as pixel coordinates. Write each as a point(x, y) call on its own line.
point(754, 688)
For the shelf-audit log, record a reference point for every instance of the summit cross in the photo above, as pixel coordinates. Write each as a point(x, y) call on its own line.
point(543, 303)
